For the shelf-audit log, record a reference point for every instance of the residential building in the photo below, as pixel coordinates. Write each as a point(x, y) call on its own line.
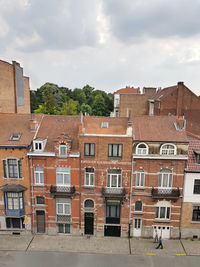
point(14, 89)
point(159, 156)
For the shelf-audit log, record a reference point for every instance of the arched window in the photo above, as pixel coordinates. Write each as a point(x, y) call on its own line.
point(165, 178)
point(168, 149)
point(89, 203)
point(62, 149)
point(139, 178)
point(138, 206)
point(142, 149)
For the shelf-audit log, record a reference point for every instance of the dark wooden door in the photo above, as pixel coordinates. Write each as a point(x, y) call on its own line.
point(89, 223)
point(40, 217)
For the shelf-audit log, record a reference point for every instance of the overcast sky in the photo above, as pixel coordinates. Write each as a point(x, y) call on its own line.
point(107, 44)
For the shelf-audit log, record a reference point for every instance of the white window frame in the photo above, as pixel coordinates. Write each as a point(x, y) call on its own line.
point(138, 178)
point(65, 171)
point(112, 148)
point(165, 173)
point(64, 224)
point(168, 151)
point(60, 149)
point(89, 178)
point(65, 205)
point(163, 205)
point(111, 176)
point(40, 174)
point(142, 151)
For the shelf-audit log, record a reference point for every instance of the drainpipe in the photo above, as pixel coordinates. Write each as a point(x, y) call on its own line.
point(130, 196)
point(31, 167)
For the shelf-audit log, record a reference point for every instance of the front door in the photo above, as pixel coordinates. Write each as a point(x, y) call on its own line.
point(89, 223)
point(137, 227)
point(163, 231)
point(40, 218)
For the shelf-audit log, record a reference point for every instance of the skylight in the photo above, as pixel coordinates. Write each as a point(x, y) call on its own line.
point(15, 137)
point(104, 124)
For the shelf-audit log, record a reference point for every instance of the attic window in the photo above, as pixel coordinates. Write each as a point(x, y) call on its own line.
point(197, 156)
point(104, 124)
point(15, 137)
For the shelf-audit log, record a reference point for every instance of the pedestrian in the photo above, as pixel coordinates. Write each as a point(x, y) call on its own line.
point(156, 236)
point(160, 245)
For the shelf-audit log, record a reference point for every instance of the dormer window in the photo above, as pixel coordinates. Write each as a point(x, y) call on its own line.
point(62, 150)
point(168, 149)
point(142, 149)
point(104, 124)
point(15, 137)
point(38, 145)
point(197, 156)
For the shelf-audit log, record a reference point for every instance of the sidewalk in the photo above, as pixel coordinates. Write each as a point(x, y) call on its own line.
point(106, 245)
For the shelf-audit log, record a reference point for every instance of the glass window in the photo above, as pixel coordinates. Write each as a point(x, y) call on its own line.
point(62, 150)
point(39, 175)
point(62, 176)
point(138, 206)
point(163, 212)
point(196, 186)
point(113, 212)
point(63, 206)
point(142, 149)
point(168, 149)
point(89, 176)
point(114, 178)
point(114, 150)
point(196, 213)
point(89, 203)
point(40, 200)
point(64, 228)
point(89, 150)
point(12, 168)
point(14, 200)
point(165, 178)
point(140, 178)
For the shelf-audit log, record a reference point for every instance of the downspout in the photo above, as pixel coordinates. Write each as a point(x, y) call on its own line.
point(31, 167)
point(130, 197)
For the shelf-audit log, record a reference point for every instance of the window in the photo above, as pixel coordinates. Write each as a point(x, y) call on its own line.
point(142, 149)
point(196, 186)
point(15, 223)
point(38, 145)
point(64, 228)
point(63, 206)
point(140, 178)
point(40, 200)
point(39, 175)
point(168, 149)
point(196, 213)
point(14, 201)
point(62, 176)
point(165, 178)
point(89, 203)
point(138, 206)
point(63, 150)
point(15, 137)
point(12, 168)
point(197, 156)
point(89, 150)
point(89, 176)
point(114, 151)
point(114, 178)
point(162, 212)
point(113, 212)
point(104, 124)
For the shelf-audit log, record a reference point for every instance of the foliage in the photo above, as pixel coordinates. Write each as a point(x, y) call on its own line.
point(69, 108)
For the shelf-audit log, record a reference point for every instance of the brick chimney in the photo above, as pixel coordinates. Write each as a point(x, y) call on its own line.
point(179, 103)
point(33, 124)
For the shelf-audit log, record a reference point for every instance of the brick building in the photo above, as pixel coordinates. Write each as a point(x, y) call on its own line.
point(190, 223)
point(159, 157)
point(55, 176)
point(16, 134)
point(106, 149)
point(177, 100)
point(14, 89)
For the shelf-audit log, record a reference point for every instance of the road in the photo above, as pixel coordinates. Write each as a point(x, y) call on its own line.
point(58, 259)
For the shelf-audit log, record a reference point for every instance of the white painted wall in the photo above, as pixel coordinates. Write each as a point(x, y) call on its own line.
point(188, 195)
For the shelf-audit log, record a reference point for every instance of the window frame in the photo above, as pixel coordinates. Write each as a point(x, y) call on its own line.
point(167, 210)
point(90, 177)
point(161, 177)
point(61, 147)
point(40, 174)
point(197, 158)
point(138, 178)
point(138, 210)
point(66, 171)
point(168, 149)
point(110, 176)
point(16, 168)
point(64, 228)
point(86, 200)
point(197, 190)
point(14, 198)
point(118, 148)
point(64, 206)
point(196, 215)
point(142, 151)
point(110, 208)
point(91, 152)
point(36, 200)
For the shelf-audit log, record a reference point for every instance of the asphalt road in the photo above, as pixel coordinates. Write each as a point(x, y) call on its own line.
point(58, 259)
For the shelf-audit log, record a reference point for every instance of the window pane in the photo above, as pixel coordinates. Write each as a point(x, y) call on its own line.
point(67, 228)
point(91, 179)
point(157, 212)
point(120, 151)
point(114, 181)
point(87, 149)
point(160, 180)
point(119, 180)
point(108, 180)
point(165, 180)
point(92, 149)
point(59, 178)
point(110, 150)
point(60, 228)
point(162, 212)
point(115, 150)
point(60, 208)
point(168, 213)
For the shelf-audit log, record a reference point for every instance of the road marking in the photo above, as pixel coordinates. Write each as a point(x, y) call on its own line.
point(180, 254)
point(151, 253)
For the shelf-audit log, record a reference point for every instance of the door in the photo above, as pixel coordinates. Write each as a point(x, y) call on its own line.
point(89, 223)
point(163, 231)
point(137, 227)
point(40, 218)
point(110, 230)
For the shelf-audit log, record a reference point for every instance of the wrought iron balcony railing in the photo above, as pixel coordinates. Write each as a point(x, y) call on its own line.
point(62, 190)
point(116, 192)
point(63, 218)
point(167, 193)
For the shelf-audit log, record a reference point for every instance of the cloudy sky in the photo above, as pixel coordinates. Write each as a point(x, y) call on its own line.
point(107, 44)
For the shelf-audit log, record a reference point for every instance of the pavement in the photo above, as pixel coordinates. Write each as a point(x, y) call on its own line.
point(103, 245)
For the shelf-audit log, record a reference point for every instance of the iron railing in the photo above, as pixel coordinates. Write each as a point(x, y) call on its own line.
point(60, 190)
point(165, 193)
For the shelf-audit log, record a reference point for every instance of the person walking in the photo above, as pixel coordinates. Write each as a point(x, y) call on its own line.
point(156, 236)
point(160, 245)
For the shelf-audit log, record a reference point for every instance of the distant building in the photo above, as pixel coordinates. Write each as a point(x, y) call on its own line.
point(14, 89)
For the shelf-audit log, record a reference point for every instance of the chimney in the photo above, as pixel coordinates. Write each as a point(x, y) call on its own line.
point(149, 91)
point(180, 88)
point(180, 123)
point(33, 124)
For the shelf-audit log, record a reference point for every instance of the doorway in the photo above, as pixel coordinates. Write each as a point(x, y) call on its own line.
point(137, 227)
point(89, 223)
point(40, 218)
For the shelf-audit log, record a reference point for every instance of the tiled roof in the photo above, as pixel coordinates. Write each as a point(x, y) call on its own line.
point(157, 128)
point(194, 145)
point(16, 123)
point(53, 126)
point(117, 126)
point(128, 90)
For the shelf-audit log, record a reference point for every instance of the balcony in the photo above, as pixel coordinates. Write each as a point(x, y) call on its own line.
point(166, 193)
point(14, 213)
point(113, 192)
point(62, 190)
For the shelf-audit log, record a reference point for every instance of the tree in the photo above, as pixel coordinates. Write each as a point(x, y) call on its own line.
point(49, 101)
point(88, 91)
point(69, 108)
point(85, 108)
point(98, 106)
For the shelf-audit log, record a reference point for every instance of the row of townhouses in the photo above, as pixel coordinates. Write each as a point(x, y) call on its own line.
point(99, 176)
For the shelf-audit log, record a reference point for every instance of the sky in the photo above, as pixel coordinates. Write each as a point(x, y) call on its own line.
point(108, 44)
